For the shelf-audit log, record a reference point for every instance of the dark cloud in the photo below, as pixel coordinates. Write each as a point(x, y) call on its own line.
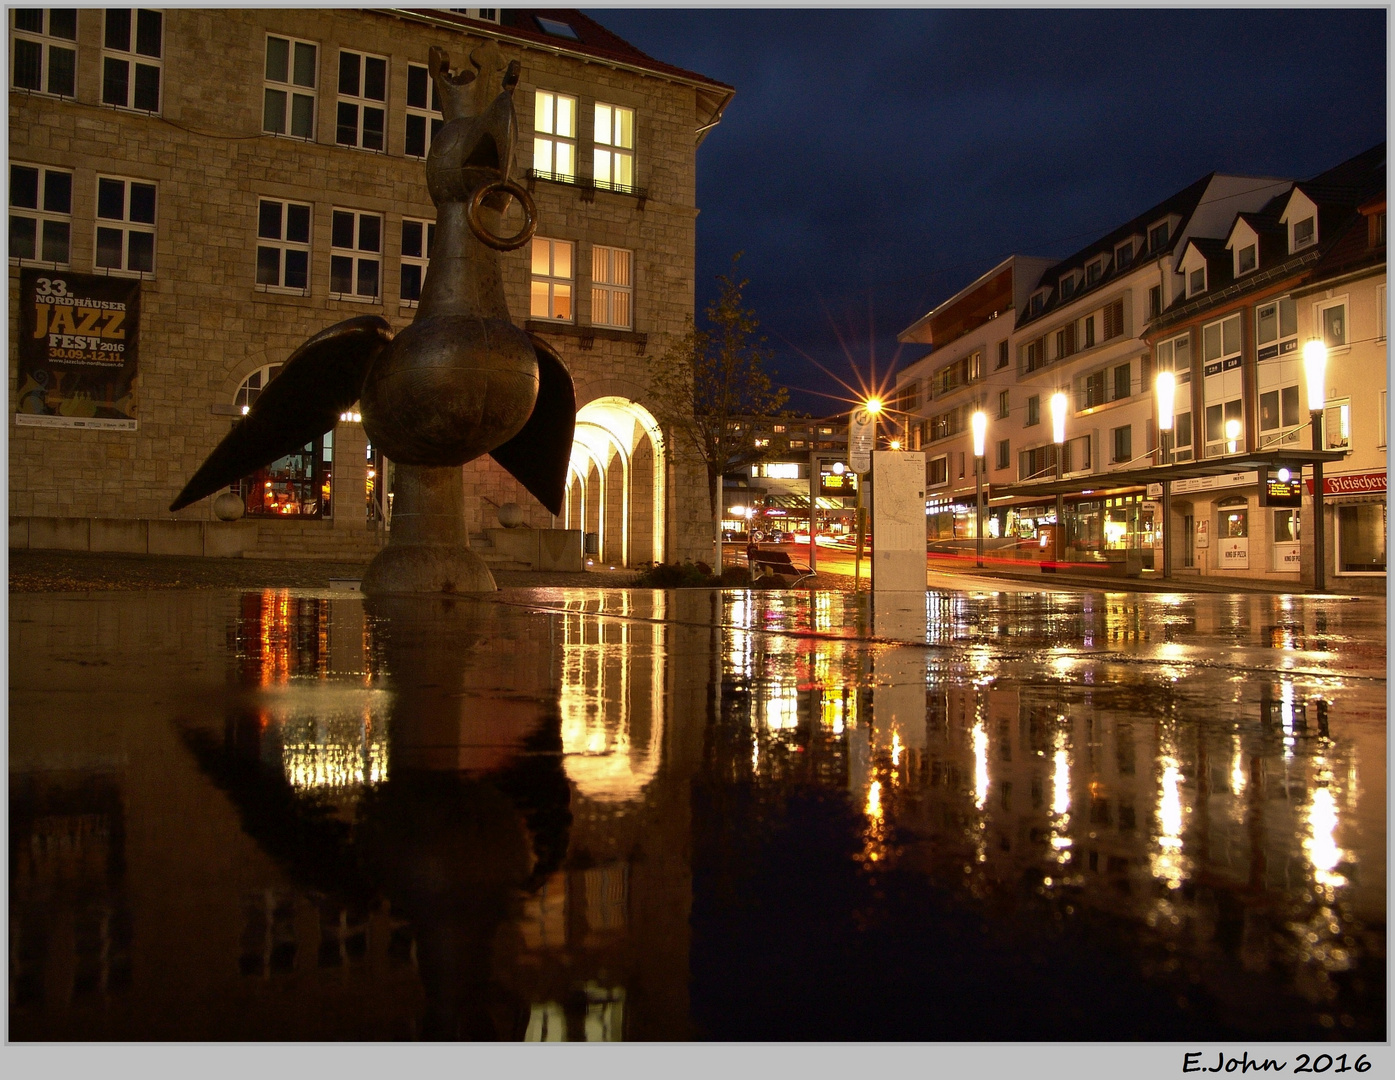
point(875, 161)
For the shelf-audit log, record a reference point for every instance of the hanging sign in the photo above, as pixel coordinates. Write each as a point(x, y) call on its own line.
point(77, 350)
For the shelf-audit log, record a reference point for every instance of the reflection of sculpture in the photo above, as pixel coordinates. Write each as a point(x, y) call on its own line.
point(460, 382)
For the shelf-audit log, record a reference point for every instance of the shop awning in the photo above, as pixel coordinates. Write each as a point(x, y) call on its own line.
point(1293, 459)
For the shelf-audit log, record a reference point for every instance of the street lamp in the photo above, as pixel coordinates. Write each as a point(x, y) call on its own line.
point(1232, 435)
point(1165, 387)
point(1058, 436)
point(1315, 367)
point(980, 426)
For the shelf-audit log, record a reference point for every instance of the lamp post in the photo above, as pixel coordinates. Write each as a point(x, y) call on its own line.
point(873, 408)
point(1058, 436)
point(980, 426)
point(1165, 387)
point(1315, 367)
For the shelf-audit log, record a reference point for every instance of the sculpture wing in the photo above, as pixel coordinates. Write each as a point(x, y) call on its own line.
point(321, 379)
point(537, 457)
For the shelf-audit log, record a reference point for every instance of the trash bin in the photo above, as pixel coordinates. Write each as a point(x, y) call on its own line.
point(591, 543)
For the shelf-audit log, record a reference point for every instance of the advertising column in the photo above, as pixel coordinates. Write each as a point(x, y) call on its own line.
point(898, 521)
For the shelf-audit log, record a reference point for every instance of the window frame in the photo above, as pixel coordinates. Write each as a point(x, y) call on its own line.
point(422, 261)
point(1341, 407)
point(1282, 345)
point(1004, 460)
point(41, 215)
point(1240, 268)
point(937, 471)
point(551, 280)
point(605, 293)
point(430, 114)
point(47, 42)
point(552, 138)
point(289, 88)
point(283, 244)
point(360, 102)
point(1004, 403)
point(1033, 411)
point(134, 60)
point(1294, 244)
point(1320, 310)
point(358, 255)
point(1193, 287)
point(127, 227)
point(1122, 447)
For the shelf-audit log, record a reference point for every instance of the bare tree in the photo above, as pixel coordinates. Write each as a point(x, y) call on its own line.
point(710, 382)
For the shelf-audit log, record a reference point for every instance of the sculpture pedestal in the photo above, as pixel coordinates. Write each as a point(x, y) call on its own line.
point(428, 549)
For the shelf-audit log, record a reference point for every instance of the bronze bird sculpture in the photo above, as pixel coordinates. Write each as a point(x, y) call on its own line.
point(461, 381)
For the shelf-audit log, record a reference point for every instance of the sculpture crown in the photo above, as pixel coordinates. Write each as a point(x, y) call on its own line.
point(468, 93)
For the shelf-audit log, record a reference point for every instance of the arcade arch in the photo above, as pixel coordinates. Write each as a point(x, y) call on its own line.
point(615, 483)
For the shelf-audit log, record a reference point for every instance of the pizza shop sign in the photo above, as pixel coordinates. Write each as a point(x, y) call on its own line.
point(1371, 483)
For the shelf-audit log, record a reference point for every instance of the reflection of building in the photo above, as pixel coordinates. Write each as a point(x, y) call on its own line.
point(1219, 284)
point(260, 174)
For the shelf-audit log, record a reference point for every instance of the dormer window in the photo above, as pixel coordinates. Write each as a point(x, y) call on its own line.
point(1245, 260)
point(1196, 282)
point(1157, 236)
point(1037, 303)
point(1094, 272)
point(1123, 255)
point(1303, 233)
point(1067, 286)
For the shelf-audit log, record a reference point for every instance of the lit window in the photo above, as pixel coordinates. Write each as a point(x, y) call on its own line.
point(614, 149)
point(131, 59)
point(1336, 425)
point(355, 259)
point(44, 50)
point(283, 245)
point(418, 238)
point(552, 279)
point(41, 204)
point(362, 112)
point(424, 121)
point(612, 288)
point(288, 106)
point(554, 138)
point(125, 226)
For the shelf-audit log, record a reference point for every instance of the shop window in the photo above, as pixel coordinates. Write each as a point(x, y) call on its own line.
point(554, 136)
point(1361, 538)
point(423, 120)
point(613, 158)
point(1285, 540)
point(288, 93)
point(1336, 425)
point(125, 226)
point(552, 274)
point(355, 257)
point(1004, 453)
point(298, 485)
point(132, 46)
point(283, 245)
point(612, 287)
point(418, 238)
point(43, 55)
point(361, 117)
point(41, 206)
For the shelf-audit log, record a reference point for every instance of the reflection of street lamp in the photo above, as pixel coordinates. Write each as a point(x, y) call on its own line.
point(1058, 436)
point(1315, 367)
point(980, 426)
point(1232, 435)
point(1165, 387)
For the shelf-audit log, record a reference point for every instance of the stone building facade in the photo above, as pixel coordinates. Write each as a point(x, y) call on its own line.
point(260, 173)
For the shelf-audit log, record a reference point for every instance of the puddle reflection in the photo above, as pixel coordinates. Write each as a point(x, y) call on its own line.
point(595, 816)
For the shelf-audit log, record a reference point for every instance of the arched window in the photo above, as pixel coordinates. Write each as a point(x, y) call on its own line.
point(298, 485)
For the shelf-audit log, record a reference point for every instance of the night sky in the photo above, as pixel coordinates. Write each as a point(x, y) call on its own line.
point(874, 162)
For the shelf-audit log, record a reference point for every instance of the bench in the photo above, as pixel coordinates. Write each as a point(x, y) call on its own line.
point(779, 562)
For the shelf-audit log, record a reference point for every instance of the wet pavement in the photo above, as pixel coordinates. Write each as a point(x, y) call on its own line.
point(295, 814)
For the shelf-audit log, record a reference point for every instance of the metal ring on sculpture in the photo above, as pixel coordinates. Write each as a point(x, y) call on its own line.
point(483, 235)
